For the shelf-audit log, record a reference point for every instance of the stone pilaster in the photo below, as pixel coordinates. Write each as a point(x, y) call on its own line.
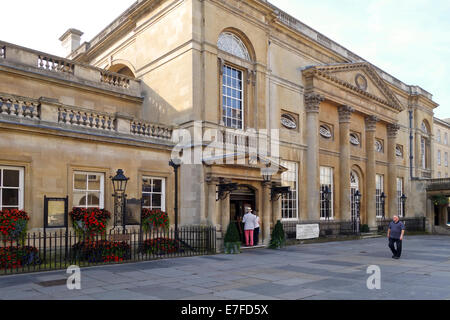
point(312, 106)
point(392, 130)
point(266, 213)
point(371, 126)
point(211, 218)
point(345, 114)
point(225, 211)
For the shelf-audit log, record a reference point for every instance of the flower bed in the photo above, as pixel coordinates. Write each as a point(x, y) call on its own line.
point(160, 246)
point(90, 222)
point(17, 257)
point(101, 251)
point(13, 224)
point(154, 219)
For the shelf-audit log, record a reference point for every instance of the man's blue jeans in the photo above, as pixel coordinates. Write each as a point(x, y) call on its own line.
point(397, 252)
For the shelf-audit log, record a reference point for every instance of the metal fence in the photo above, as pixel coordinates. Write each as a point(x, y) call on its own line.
point(328, 228)
point(411, 224)
point(37, 252)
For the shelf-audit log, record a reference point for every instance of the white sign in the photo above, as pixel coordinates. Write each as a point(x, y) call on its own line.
point(308, 231)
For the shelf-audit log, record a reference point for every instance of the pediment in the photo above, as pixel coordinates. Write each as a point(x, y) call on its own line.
point(361, 78)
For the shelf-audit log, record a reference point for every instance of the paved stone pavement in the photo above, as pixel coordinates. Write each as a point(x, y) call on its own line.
point(321, 271)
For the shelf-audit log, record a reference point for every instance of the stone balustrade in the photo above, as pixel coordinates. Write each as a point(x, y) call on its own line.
point(115, 80)
point(19, 107)
point(38, 62)
point(145, 129)
point(55, 64)
point(86, 118)
point(51, 113)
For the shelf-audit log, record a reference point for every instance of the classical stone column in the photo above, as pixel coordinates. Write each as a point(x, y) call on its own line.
point(392, 130)
point(225, 206)
point(312, 105)
point(276, 211)
point(345, 114)
point(266, 212)
point(211, 218)
point(371, 126)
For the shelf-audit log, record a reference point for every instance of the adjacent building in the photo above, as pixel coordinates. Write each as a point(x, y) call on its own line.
point(344, 127)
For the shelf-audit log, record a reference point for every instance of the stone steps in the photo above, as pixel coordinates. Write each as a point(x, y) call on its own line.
point(370, 235)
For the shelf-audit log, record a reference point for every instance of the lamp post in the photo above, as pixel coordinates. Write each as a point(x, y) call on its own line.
point(120, 182)
point(403, 199)
point(175, 164)
point(383, 204)
point(358, 211)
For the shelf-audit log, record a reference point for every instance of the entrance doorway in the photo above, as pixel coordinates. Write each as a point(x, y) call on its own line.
point(354, 187)
point(240, 200)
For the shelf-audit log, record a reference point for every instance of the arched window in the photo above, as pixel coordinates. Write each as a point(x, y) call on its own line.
point(231, 44)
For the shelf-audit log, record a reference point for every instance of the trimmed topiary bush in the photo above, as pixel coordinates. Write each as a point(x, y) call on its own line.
point(278, 239)
point(232, 240)
point(365, 228)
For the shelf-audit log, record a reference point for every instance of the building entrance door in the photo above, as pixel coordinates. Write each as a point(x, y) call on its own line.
point(241, 200)
point(354, 187)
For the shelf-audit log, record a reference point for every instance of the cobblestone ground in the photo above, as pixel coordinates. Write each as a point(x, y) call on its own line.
point(325, 271)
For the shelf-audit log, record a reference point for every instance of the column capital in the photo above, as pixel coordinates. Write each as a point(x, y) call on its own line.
point(345, 113)
point(392, 130)
point(211, 180)
point(312, 102)
point(371, 123)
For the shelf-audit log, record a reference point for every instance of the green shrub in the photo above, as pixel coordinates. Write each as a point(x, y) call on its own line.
point(232, 240)
point(365, 228)
point(278, 239)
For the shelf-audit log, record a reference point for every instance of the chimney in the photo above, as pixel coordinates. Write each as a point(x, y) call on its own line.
point(71, 40)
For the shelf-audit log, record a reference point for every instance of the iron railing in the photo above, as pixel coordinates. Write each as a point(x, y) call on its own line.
point(327, 228)
point(411, 224)
point(37, 252)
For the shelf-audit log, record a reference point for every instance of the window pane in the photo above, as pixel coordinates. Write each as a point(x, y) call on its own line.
point(146, 201)
point(147, 185)
point(80, 182)
point(156, 200)
point(94, 182)
point(93, 199)
point(79, 199)
point(157, 185)
point(11, 178)
point(10, 197)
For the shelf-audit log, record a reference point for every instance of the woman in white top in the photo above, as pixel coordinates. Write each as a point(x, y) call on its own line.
point(249, 225)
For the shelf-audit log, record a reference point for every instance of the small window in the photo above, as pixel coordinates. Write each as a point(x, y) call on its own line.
point(11, 188)
point(88, 190)
point(326, 132)
point(439, 157)
point(154, 193)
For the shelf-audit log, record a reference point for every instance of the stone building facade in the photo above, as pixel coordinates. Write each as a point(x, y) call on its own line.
point(342, 124)
point(442, 148)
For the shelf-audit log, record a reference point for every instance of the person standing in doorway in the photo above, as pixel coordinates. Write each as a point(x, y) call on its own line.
point(257, 228)
point(249, 226)
point(396, 232)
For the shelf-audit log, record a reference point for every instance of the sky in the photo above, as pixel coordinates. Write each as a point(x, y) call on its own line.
point(409, 39)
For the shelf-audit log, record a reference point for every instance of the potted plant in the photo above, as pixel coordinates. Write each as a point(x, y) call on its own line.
point(278, 239)
point(232, 240)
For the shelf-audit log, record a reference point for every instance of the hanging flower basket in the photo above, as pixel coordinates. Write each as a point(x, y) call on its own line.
point(155, 219)
point(13, 224)
point(90, 223)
